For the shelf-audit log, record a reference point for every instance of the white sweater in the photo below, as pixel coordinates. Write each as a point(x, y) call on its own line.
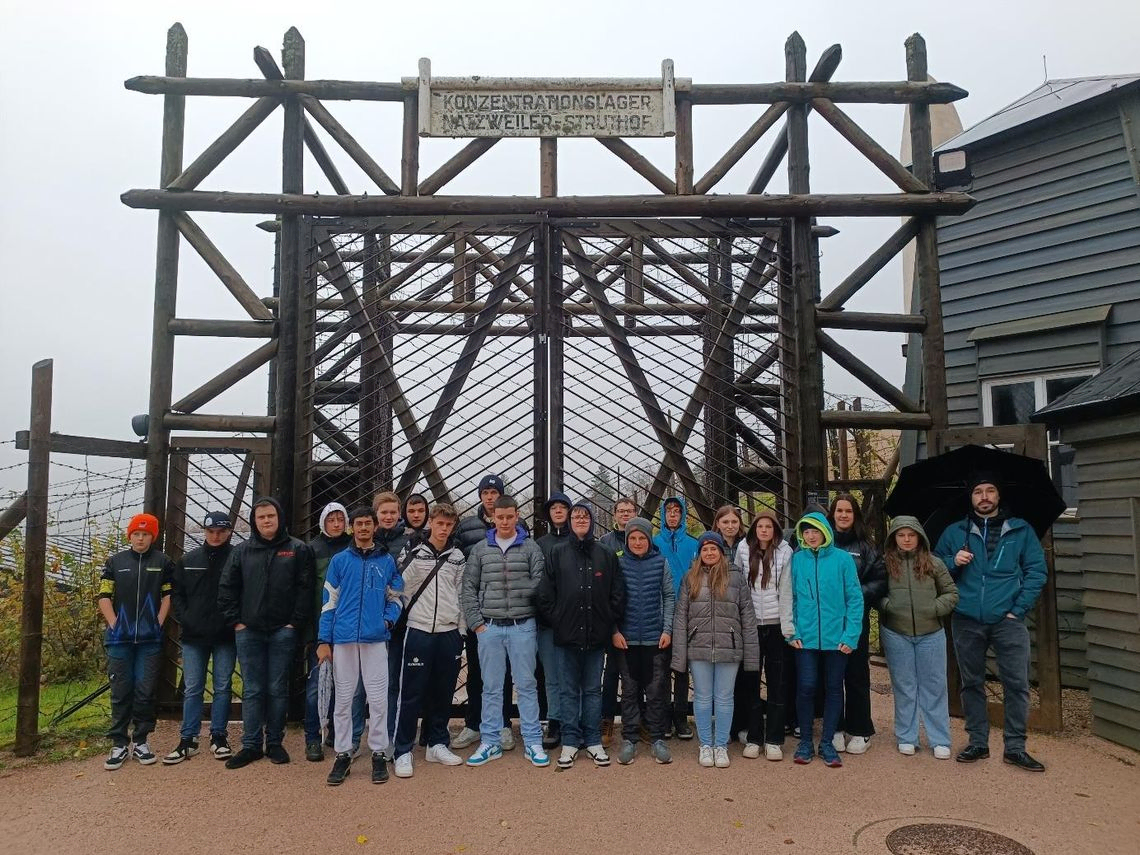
point(766, 601)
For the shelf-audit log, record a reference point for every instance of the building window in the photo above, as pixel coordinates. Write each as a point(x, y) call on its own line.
point(1011, 401)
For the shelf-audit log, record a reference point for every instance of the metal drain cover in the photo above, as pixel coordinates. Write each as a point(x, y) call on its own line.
point(930, 838)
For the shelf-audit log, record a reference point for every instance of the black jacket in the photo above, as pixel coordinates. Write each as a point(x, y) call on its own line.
point(582, 593)
point(392, 540)
point(613, 540)
point(195, 595)
point(551, 539)
point(268, 583)
point(135, 583)
point(472, 531)
point(869, 564)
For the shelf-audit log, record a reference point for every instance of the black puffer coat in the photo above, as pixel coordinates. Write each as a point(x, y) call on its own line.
point(582, 593)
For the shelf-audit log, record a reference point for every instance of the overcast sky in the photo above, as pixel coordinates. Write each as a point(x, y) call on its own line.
point(78, 266)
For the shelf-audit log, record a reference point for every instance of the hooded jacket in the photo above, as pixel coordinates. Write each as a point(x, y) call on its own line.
point(324, 548)
point(194, 598)
point(709, 628)
point(361, 597)
point(649, 597)
point(614, 539)
point(821, 602)
point(391, 540)
point(437, 609)
point(990, 586)
point(916, 606)
point(869, 566)
point(414, 535)
point(677, 545)
point(268, 583)
point(501, 585)
point(135, 583)
point(581, 594)
point(765, 601)
point(557, 533)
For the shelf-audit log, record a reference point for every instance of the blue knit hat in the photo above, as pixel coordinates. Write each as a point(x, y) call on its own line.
point(713, 538)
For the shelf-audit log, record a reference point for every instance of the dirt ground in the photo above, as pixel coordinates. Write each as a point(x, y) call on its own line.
point(1087, 802)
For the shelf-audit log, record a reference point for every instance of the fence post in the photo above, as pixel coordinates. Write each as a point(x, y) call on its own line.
point(35, 557)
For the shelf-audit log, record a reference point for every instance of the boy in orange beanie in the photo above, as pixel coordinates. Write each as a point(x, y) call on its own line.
point(134, 599)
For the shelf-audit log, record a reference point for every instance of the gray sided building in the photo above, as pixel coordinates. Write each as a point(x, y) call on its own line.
point(1041, 280)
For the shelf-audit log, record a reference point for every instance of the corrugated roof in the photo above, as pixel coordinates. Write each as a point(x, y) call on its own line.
point(1114, 390)
point(1052, 96)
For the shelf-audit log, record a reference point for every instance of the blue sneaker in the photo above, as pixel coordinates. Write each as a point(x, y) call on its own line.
point(805, 752)
point(485, 754)
point(829, 755)
point(536, 755)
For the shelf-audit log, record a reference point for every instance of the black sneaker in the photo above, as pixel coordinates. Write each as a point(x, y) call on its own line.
point(186, 749)
point(220, 746)
point(553, 737)
point(143, 754)
point(244, 758)
point(117, 757)
point(314, 752)
point(681, 727)
point(379, 768)
point(277, 753)
point(1023, 760)
point(973, 753)
point(342, 765)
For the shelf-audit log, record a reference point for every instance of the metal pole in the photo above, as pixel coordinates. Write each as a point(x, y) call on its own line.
point(35, 557)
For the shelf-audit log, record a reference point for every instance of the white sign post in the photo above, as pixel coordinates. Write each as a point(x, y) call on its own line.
point(547, 107)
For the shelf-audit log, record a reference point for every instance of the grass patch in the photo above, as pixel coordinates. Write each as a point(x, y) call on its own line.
point(79, 735)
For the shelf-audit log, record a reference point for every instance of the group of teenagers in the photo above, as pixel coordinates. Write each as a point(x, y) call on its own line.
point(387, 599)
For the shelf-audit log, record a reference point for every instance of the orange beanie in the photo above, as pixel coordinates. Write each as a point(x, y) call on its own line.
point(143, 522)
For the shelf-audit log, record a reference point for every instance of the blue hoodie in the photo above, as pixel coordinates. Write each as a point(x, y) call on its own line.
point(827, 600)
point(361, 599)
point(677, 545)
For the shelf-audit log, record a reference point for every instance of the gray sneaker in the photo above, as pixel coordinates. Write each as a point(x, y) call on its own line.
point(660, 752)
point(628, 752)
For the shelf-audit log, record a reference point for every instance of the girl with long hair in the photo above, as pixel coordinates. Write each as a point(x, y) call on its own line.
point(714, 632)
point(763, 559)
point(920, 593)
point(851, 535)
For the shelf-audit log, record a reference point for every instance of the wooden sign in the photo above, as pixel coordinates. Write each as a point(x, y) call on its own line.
point(546, 107)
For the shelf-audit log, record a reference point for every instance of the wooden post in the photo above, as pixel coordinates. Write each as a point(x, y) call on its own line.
point(717, 351)
point(35, 558)
point(684, 146)
point(841, 446)
point(805, 284)
point(410, 159)
point(292, 281)
point(165, 284)
point(548, 166)
point(926, 248)
point(790, 503)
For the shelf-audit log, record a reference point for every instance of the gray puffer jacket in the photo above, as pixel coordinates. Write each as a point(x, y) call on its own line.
point(501, 585)
point(716, 629)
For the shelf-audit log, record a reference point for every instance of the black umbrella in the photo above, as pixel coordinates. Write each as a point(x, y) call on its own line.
point(935, 489)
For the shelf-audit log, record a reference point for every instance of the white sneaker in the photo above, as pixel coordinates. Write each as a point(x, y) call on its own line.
point(720, 757)
point(705, 757)
point(404, 766)
point(442, 754)
point(751, 751)
point(506, 739)
point(465, 738)
point(942, 752)
point(567, 758)
point(908, 749)
point(773, 752)
point(858, 744)
point(598, 754)
point(838, 742)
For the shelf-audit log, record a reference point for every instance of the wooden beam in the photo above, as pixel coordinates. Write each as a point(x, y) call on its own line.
point(89, 446)
point(327, 90)
point(874, 419)
point(886, 163)
point(351, 147)
point(456, 164)
point(718, 206)
point(547, 167)
point(222, 328)
point(875, 262)
point(639, 163)
point(741, 147)
point(258, 445)
point(225, 271)
point(224, 145)
point(227, 378)
point(13, 515)
point(410, 156)
point(873, 321)
point(242, 486)
point(871, 378)
point(683, 142)
point(219, 423)
point(767, 358)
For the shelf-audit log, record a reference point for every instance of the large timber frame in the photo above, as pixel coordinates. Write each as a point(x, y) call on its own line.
point(690, 266)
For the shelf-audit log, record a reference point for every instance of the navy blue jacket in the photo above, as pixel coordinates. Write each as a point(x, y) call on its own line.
point(649, 596)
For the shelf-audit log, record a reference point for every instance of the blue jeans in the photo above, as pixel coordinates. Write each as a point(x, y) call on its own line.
point(809, 664)
point(265, 658)
point(313, 715)
point(1009, 639)
point(133, 671)
point(580, 701)
point(195, 658)
point(518, 644)
point(548, 655)
point(713, 685)
point(918, 680)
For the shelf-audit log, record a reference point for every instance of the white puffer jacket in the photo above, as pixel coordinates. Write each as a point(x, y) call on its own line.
point(766, 601)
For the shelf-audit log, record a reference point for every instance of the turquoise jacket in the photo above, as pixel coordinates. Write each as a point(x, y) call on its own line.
point(677, 545)
point(826, 598)
point(990, 587)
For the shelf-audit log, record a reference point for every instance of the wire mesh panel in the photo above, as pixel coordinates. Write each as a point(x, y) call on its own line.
point(675, 371)
point(420, 339)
